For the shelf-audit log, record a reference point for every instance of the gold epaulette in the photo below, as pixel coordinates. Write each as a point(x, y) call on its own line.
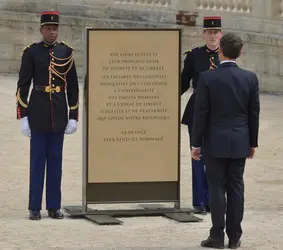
point(190, 50)
point(67, 45)
point(28, 46)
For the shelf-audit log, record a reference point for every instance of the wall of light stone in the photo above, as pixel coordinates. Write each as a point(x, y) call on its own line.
point(259, 22)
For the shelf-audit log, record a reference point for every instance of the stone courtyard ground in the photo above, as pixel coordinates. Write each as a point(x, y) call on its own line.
point(263, 221)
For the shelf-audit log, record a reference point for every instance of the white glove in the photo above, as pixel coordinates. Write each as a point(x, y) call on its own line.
point(25, 126)
point(71, 127)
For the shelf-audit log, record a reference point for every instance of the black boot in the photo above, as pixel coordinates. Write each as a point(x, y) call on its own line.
point(200, 210)
point(55, 214)
point(34, 215)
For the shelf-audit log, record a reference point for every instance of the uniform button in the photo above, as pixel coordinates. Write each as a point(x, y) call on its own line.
point(52, 92)
point(52, 52)
point(52, 59)
point(212, 57)
point(53, 78)
point(53, 85)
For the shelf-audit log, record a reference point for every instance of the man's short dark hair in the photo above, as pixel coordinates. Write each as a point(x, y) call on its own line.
point(231, 45)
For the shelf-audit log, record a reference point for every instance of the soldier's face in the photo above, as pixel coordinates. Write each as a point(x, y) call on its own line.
point(49, 32)
point(212, 37)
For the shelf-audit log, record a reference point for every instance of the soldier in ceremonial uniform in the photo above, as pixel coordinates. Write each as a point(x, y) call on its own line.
point(198, 60)
point(50, 113)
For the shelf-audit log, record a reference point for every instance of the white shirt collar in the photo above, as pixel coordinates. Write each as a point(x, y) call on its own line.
point(225, 61)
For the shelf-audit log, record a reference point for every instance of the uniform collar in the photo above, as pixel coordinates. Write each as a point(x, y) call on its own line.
point(49, 45)
point(210, 51)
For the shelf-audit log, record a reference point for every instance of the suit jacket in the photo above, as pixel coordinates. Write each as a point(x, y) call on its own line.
point(226, 115)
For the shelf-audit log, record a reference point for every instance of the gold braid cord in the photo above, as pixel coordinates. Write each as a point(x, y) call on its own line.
point(69, 60)
point(18, 95)
point(212, 65)
point(19, 99)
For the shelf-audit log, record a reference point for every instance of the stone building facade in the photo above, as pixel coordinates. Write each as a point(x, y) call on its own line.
point(259, 22)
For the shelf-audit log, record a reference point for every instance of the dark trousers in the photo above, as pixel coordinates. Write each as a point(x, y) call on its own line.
point(225, 177)
point(45, 152)
point(199, 181)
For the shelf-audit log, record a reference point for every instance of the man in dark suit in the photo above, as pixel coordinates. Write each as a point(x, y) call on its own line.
point(198, 60)
point(226, 123)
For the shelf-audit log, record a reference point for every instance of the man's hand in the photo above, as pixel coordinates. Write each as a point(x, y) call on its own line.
point(196, 153)
point(252, 153)
point(71, 127)
point(25, 126)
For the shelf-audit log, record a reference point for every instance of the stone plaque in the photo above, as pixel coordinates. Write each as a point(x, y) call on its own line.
point(133, 124)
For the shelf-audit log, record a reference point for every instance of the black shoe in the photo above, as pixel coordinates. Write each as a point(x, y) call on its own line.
point(55, 214)
point(211, 243)
point(34, 215)
point(200, 210)
point(233, 245)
